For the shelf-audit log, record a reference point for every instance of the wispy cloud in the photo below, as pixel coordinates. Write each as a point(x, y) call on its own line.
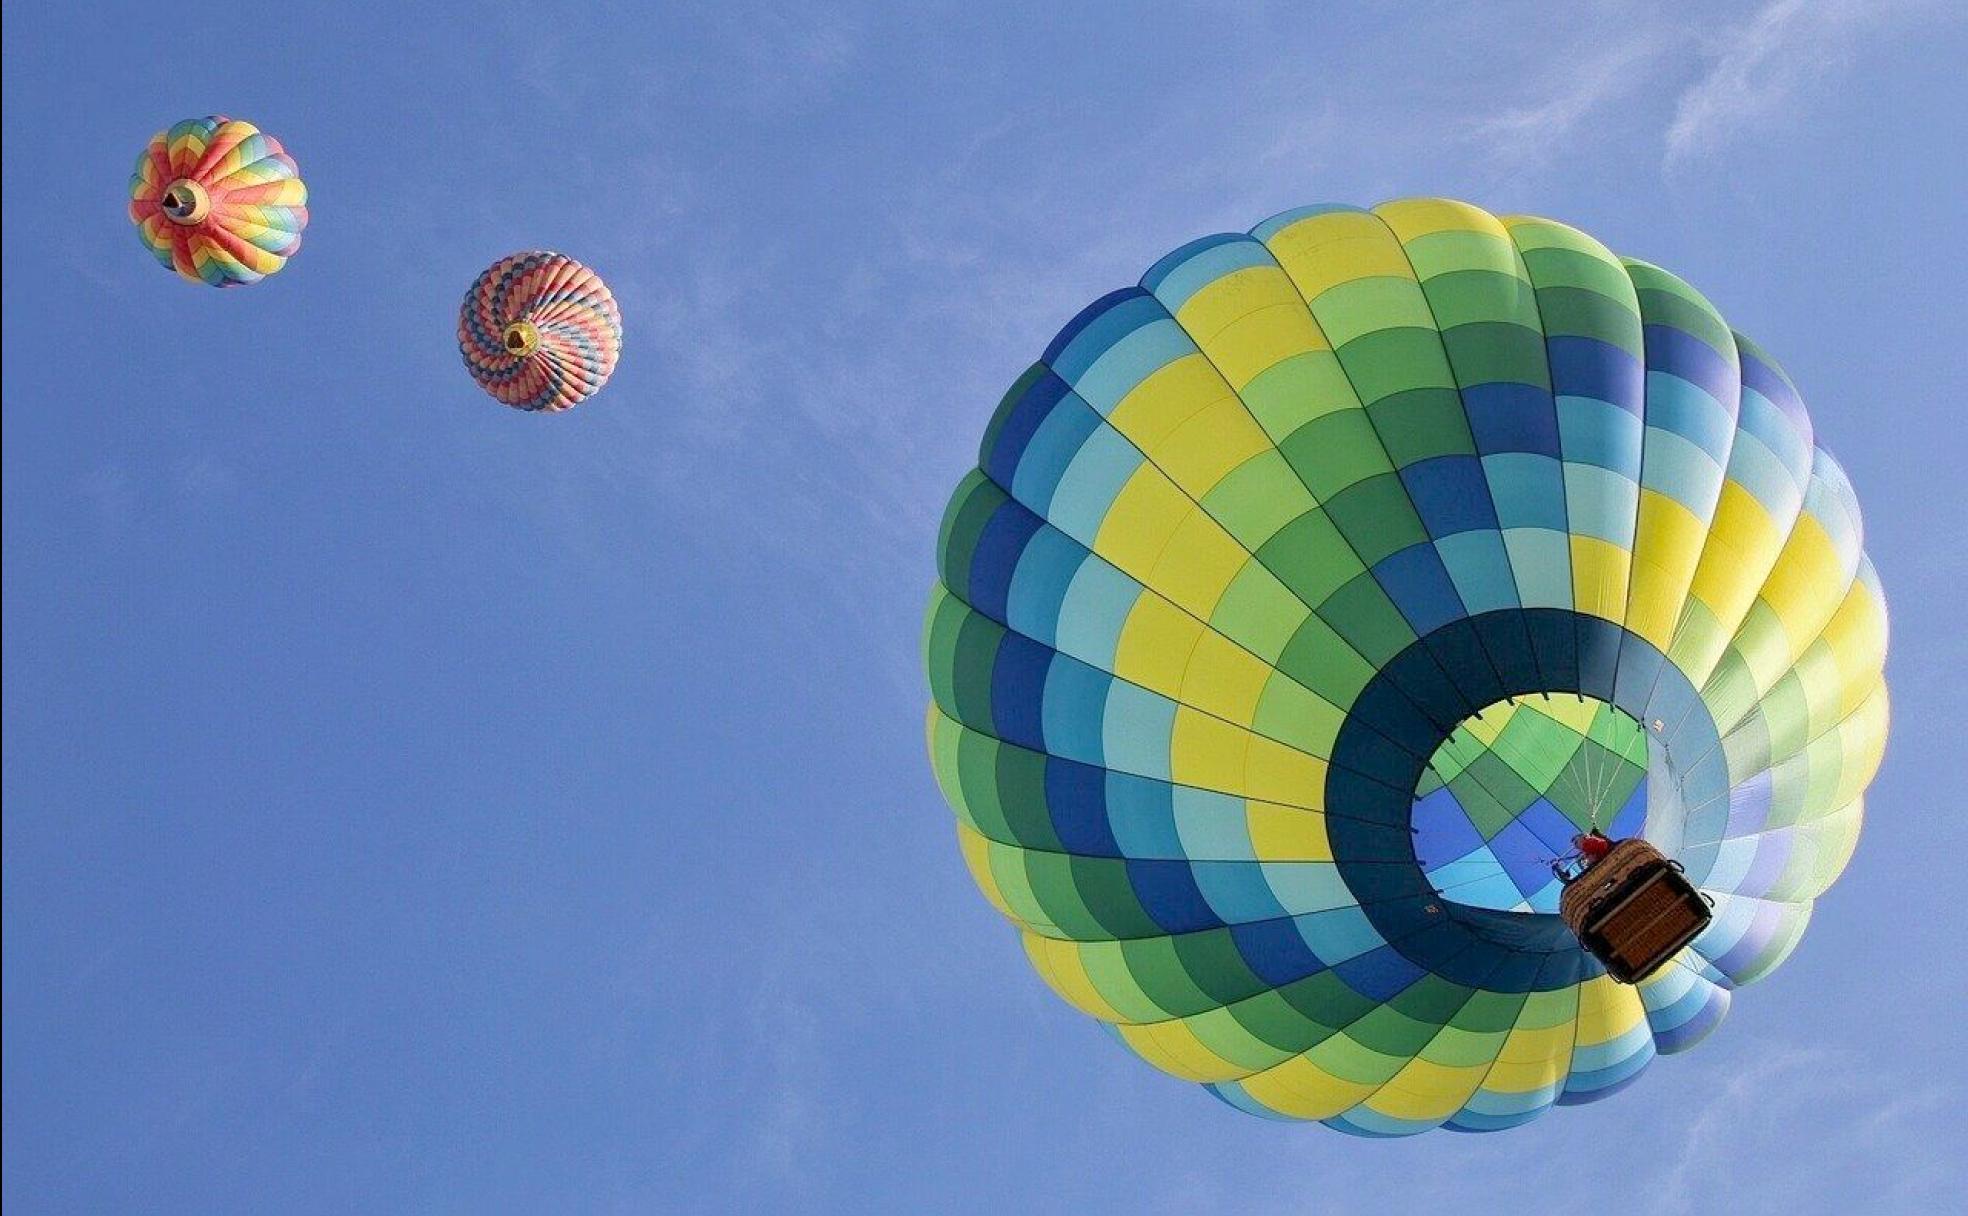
point(1778, 1092)
point(1537, 128)
point(1757, 70)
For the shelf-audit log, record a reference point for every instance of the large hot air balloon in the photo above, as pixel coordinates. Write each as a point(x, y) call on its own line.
point(218, 201)
point(1307, 600)
point(540, 331)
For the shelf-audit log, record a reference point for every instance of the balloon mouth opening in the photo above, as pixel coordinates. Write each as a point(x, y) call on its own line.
point(521, 339)
point(185, 202)
point(1503, 795)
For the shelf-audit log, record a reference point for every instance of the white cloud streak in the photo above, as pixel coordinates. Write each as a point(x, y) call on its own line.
point(1761, 68)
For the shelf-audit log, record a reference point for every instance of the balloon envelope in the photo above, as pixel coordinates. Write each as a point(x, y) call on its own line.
point(219, 201)
point(1310, 595)
point(540, 331)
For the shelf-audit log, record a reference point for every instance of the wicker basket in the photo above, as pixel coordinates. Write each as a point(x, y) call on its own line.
point(1633, 910)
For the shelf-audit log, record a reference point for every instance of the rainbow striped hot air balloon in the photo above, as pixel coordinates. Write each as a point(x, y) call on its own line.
point(540, 331)
point(1310, 596)
point(219, 201)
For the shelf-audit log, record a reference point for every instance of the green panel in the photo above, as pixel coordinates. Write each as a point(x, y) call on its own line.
point(1361, 613)
point(1421, 424)
point(1320, 659)
point(1296, 390)
point(1338, 450)
point(1311, 557)
point(1213, 962)
point(1158, 970)
point(1482, 297)
point(1391, 361)
point(1493, 352)
point(1257, 498)
point(1377, 518)
point(1022, 798)
point(1570, 312)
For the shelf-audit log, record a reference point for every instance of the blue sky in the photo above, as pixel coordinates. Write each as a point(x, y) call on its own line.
point(415, 806)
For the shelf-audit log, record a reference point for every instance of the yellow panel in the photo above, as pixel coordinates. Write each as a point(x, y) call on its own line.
point(1807, 582)
point(1301, 1089)
point(1155, 645)
point(1207, 752)
point(1262, 340)
point(1667, 547)
point(1058, 963)
point(1488, 728)
point(1286, 833)
point(1197, 565)
point(1427, 1091)
point(1606, 1010)
point(1276, 773)
point(1532, 1059)
point(1574, 711)
point(1225, 301)
point(1224, 679)
point(1862, 745)
point(1173, 1048)
point(1417, 217)
point(1213, 441)
point(1170, 396)
point(1599, 571)
point(1323, 251)
point(1742, 543)
point(976, 855)
point(1144, 516)
point(1856, 637)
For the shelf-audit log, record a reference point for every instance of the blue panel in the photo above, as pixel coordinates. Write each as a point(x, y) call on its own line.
point(1101, 598)
point(1595, 433)
point(1050, 453)
point(1199, 263)
point(1087, 491)
point(1507, 417)
point(1587, 367)
point(1169, 895)
point(1141, 817)
point(1684, 355)
point(1018, 679)
point(1076, 800)
point(1000, 543)
point(1135, 736)
point(1479, 566)
point(1123, 366)
point(1075, 704)
point(1450, 493)
point(1032, 408)
point(1419, 585)
point(1686, 408)
point(1275, 951)
point(1098, 326)
point(1380, 974)
point(1528, 490)
point(1045, 572)
point(1236, 891)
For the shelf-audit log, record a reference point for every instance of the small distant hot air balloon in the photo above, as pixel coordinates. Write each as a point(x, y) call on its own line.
point(218, 201)
point(540, 331)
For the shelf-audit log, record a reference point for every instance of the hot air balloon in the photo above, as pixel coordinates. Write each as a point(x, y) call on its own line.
point(219, 201)
point(540, 331)
point(1310, 597)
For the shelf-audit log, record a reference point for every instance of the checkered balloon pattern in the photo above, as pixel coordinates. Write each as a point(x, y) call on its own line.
point(246, 204)
point(1310, 596)
point(573, 326)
